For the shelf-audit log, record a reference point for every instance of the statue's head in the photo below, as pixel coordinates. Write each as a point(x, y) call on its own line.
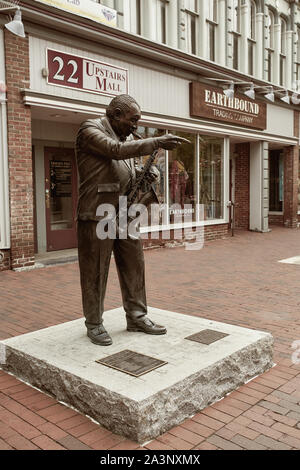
point(123, 113)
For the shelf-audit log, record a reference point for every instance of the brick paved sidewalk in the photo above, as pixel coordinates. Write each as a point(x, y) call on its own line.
point(237, 281)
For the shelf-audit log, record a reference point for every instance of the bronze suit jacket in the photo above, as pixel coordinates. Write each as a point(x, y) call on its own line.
point(105, 165)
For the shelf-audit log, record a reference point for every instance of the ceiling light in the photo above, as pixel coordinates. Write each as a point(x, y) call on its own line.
point(250, 93)
point(229, 92)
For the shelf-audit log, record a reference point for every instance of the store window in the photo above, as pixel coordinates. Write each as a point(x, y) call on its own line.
point(211, 164)
point(146, 195)
point(190, 175)
point(182, 174)
point(276, 175)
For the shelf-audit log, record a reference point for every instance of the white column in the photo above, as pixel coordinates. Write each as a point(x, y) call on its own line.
point(149, 14)
point(172, 23)
point(203, 31)
point(266, 35)
point(259, 187)
point(127, 13)
point(4, 175)
point(226, 178)
point(221, 30)
point(259, 56)
point(243, 59)
point(182, 26)
point(229, 35)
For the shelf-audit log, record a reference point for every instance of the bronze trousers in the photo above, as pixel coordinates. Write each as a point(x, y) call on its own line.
point(94, 257)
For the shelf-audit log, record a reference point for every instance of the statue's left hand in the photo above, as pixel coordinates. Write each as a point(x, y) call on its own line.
point(154, 175)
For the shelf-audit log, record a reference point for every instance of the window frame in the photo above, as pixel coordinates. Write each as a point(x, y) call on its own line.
point(162, 28)
point(283, 30)
point(252, 20)
point(271, 39)
point(192, 17)
point(197, 222)
point(236, 17)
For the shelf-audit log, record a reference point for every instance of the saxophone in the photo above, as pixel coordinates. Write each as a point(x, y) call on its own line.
point(150, 196)
point(133, 195)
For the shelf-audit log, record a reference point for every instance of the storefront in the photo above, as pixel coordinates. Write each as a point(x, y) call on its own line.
point(193, 187)
point(241, 150)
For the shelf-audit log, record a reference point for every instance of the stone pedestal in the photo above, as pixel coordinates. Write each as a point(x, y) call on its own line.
point(61, 360)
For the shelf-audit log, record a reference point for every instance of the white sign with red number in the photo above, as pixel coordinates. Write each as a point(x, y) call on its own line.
point(85, 74)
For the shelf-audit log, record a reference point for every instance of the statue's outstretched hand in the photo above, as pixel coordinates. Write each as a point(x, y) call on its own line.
point(170, 141)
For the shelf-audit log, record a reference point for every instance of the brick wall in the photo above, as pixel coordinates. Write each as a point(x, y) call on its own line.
point(211, 232)
point(4, 260)
point(19, 152)
point(291, 165)
point(242, 188)
point(275, 219)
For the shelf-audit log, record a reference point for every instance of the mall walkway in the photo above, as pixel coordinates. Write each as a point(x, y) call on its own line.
point(237, 280)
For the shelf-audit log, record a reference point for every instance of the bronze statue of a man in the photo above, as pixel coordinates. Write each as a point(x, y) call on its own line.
point(105, 160)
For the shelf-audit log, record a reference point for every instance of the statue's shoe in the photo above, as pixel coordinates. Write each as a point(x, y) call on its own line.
point(99, 335)
point(145, 325)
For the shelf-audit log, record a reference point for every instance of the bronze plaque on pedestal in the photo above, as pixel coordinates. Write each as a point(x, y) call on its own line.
point(131, 362)
point(207, 336)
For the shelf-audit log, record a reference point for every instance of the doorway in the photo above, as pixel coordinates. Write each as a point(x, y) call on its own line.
point(60, 198)
point(276, 178)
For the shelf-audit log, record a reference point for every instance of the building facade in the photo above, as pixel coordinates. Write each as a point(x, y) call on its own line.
point(224, 74)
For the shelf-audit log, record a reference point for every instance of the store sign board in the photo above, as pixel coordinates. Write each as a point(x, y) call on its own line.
point(85, 74)
point(210, 102)
point(86, 8)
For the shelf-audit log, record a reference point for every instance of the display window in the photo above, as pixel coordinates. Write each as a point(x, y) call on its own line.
point(191, 184)
point(182, 175)
point(211, 164)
